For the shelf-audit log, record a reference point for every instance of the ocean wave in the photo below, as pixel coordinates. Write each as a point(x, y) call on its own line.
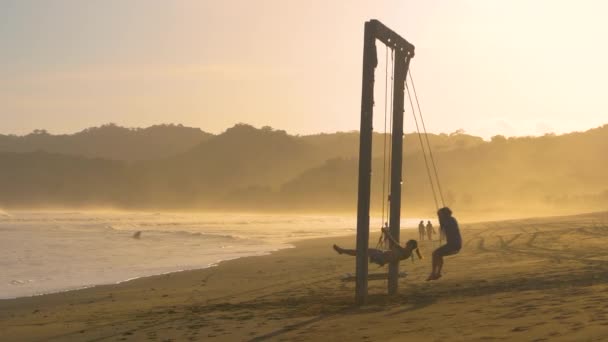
point(203, 234)
point(18, 282)
point(178, 233)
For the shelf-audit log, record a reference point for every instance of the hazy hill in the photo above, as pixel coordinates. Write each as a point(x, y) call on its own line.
point(120, 143)
point(541, 173)
point(250, 169)
point(50, 179)
point(346, 144)
point(241, 157)
point(110, 142)
point(244, 155)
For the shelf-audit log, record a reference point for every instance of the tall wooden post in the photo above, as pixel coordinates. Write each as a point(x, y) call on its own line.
point(375, 30)
point(365, 161)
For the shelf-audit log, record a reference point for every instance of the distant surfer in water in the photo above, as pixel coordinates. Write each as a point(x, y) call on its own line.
point(380, 257)
point(448, 226)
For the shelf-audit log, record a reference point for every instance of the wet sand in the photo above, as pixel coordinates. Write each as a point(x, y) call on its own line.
point(522, 280)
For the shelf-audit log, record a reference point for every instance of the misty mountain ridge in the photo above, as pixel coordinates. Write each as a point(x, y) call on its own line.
point(110, 142)
point(245, 168)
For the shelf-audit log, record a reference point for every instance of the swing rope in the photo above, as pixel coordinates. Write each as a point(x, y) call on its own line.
point(427, 138)
point(428, 146)
point(386, 184)
point(426, 162)
point(384, 153)
point(390, 127)
point(385, 169)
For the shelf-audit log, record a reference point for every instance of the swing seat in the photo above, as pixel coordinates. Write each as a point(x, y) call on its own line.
point(371, 276)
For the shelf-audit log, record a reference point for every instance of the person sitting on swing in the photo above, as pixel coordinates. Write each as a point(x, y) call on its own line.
point(449, 226)
point(380, 257)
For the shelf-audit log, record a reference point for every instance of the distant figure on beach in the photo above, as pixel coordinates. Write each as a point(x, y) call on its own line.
point(386, 239)
point(430, 230)
point(381, 257)
point(137, 235)
point(449, 226)
point(421, 231)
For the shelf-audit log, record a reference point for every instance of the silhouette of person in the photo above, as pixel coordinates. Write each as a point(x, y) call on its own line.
point(381, 257)
point(386, 240)
point(421, 231)
point(449, 225)
point(430, 230)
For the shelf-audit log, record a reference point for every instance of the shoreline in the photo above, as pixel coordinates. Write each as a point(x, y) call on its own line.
point(17, 284)
point(211, 265)
point(80, 250)
point(533, 279)
point(288, 245)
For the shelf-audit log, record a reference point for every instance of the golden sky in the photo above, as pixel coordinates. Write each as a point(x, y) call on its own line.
point(516, 67)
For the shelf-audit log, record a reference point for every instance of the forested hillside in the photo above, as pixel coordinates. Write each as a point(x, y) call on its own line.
point(246, 168)
point(110, 141)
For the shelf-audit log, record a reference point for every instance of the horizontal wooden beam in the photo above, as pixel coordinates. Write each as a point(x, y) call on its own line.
point(391, 39)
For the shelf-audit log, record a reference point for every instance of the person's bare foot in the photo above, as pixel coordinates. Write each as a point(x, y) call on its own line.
point(338, 249)
point(433, 276)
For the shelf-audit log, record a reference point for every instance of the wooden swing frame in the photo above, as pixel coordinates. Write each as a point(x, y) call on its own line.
point(404, 52)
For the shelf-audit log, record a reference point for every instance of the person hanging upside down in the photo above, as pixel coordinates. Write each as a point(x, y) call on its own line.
point(380, 257)
point(449, 226)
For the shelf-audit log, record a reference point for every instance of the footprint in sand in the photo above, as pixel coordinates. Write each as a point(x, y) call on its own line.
point(520, 329)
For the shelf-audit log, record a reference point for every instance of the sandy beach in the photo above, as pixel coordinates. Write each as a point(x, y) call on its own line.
point(522, 280)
